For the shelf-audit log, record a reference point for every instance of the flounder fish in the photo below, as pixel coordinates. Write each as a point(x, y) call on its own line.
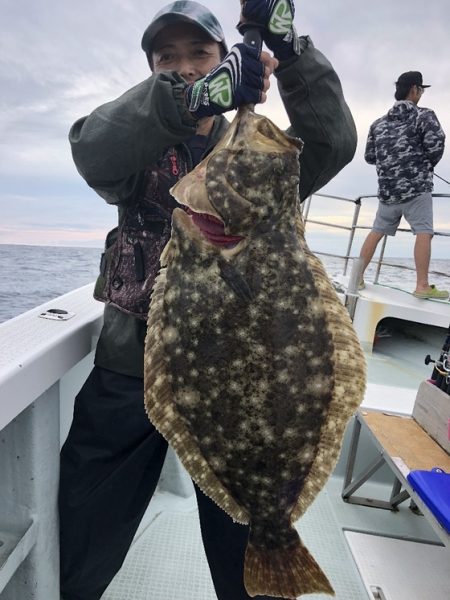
point(252, 366)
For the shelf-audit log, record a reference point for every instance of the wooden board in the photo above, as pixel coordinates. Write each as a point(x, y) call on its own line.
point(432, 411)
point(403, 437)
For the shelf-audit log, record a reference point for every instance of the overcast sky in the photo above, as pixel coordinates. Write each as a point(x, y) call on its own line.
point(60, 59)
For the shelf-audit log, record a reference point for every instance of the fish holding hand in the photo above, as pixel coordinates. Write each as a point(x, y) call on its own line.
point(252, 366)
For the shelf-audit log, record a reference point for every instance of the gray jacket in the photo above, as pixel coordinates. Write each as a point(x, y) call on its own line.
point(405, 145)
point(115, 145)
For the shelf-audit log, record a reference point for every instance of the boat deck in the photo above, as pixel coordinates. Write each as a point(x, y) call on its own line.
point(167, 561)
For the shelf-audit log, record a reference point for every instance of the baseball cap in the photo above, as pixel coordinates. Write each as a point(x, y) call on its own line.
point(185, 11)
point(411, 78)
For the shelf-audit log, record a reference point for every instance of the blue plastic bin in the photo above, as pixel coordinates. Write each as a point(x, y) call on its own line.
point(434, 489)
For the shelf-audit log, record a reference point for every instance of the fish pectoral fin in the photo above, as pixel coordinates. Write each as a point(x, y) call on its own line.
point(283, 572)
point(235, 280)
point(167, 254)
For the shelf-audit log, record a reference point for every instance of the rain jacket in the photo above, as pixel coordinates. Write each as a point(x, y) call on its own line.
point(131, 150)
point(405, 145)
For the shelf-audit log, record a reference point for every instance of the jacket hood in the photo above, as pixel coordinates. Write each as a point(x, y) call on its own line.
point(404, 110)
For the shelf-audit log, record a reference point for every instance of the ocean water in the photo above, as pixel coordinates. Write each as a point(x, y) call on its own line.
point(32, 275)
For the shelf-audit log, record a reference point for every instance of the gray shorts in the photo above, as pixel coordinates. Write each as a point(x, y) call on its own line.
point(418, 212)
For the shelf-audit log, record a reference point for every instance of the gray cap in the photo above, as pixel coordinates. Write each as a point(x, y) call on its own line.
point(185, 11)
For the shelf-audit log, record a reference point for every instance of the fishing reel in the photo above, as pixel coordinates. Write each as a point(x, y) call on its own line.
point(429, 360)
point(441, 372)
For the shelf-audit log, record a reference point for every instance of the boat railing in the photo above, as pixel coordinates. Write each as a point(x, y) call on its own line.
point(354, 226)
point(42, 353)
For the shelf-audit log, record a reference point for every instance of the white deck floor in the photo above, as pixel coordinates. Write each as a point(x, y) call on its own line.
point(167, 561)
point(420, 575)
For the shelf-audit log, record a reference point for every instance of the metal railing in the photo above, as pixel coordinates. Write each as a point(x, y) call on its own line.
point(354, 227)
point(40, 362)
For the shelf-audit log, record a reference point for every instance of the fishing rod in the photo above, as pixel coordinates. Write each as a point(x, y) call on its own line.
point(441, 371)
point(439, 177)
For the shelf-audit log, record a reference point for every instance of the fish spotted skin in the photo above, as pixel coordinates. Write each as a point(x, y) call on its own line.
point(247, 357)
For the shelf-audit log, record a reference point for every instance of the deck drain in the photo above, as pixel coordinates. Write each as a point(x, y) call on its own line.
point(377, 592)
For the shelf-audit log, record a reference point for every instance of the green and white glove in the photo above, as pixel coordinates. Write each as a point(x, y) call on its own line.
point(237, 80)
point(275, 20)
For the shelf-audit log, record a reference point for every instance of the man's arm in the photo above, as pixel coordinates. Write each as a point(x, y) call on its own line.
point(116, 141)
point(433, 137)
point(311, 93)
point(314, 101)
point(369, 154)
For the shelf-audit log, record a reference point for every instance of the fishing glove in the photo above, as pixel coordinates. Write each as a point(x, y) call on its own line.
point(237, 80)
point(275, 19)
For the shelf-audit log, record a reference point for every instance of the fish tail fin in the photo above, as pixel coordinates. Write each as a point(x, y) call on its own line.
point(285, 572)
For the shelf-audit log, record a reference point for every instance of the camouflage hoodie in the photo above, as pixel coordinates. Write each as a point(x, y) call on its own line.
point(405, 145)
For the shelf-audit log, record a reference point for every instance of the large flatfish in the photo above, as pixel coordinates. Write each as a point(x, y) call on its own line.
point(252, 366)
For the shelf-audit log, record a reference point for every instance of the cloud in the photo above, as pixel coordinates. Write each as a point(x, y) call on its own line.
point(51, 217)
point(60, 60)
point(52, 237)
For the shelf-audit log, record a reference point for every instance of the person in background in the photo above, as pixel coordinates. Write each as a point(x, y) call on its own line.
point(405, 145)
point(131, 151)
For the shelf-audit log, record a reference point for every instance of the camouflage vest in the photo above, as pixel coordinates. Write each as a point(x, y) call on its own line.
point(130, 262)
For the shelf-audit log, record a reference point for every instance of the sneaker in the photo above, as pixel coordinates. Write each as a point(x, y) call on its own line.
point(432, 292)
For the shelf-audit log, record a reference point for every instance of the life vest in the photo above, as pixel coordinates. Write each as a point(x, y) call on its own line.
point(130, 261)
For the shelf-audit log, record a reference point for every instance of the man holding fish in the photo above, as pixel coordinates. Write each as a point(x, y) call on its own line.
point(131, 151)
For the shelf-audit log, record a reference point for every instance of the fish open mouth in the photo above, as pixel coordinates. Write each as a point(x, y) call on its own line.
point(213, 229)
